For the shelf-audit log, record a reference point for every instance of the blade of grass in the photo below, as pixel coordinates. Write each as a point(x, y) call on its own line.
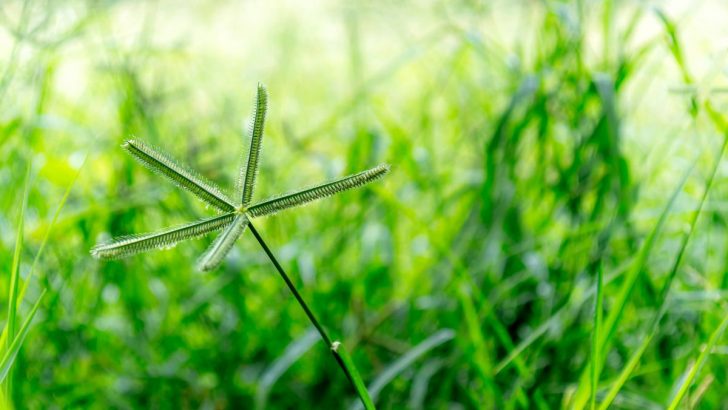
point(26, 282)
point(421, 383)
point(626, 372)
point(12, 352)
point(596, 336)
point(578, 297)
point(664, 292)
point(581, 396)
point(676, 49)
point(48, 232)
point(15, 268)
point(293, 352)
point(702, 357)
point(481, 357)
point(342, 356)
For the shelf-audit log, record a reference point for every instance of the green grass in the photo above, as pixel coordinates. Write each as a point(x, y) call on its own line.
point(552, 234)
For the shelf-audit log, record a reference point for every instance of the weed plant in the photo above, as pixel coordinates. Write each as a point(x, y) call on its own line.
point(236, 217)
point(554, 235)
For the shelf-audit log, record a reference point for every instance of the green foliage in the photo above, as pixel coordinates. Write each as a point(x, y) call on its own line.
point(687, 381)
point(11, 352)
point(235, 222)
point(554, 160)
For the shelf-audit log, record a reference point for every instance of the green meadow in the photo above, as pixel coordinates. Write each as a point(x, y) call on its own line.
point(551, 231)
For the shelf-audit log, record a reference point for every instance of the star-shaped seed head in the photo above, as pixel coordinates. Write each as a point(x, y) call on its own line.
point(235, 214)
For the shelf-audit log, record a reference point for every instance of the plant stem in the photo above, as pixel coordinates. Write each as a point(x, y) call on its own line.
point(291, 286)
point(351, 374)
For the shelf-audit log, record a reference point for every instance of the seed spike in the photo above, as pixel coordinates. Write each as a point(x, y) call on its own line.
point(182, 176)
point(214, 256)
point(236, 216)
point(130, 245)
point(274, 205)
point(256, 138)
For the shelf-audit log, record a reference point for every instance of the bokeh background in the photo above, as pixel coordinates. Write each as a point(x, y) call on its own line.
point(533, 144)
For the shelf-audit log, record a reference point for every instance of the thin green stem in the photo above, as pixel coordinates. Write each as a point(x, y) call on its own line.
point(291, 286)
point(335, 348)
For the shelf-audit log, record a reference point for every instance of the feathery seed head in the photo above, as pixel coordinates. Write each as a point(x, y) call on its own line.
point(236, 215)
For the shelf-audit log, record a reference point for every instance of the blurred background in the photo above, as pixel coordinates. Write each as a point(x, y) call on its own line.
point(533, 145)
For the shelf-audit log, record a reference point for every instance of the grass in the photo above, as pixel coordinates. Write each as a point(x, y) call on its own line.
point(234, 220)
point(553, 236)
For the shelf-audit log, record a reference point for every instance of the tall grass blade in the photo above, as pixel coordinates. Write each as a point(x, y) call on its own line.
point(626, 372)
point(9, 357)
point(596, 336)
point(256, 138)
point(293, 352)
point(693, 372)
point(46, 236)
point(214, 256)
point(26, 283)
point(674, 44)
point(664, 292)
point(130, 245)
point(572, 305)
point(15, 268)
point(274, 205)
point(182, 176)
point(676, 49)
point(342, 356)
point(422, 381)
point(581, 397)
point(481, 356)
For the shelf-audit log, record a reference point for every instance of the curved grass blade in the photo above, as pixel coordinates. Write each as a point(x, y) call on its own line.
point(274, 205)
point(421, 383)
point(180, 175)
point(133, 244)
point(293, 352)
point(26, 282)
point(223, 243)
point(12, 352)
point(626, 372)
point(399, 365)
point(256, 138)
point(596, 336)
point(693, 372)
point(15, 268)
